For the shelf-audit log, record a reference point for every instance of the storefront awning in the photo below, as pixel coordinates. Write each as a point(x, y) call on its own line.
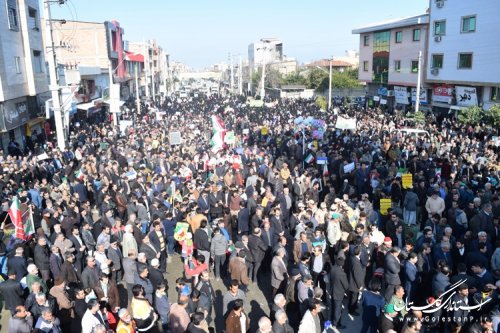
point(107, 101)
point(85, 106)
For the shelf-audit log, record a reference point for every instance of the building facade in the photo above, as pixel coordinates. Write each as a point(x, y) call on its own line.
point(23, 76)
point(389, 59)
point(463, 55)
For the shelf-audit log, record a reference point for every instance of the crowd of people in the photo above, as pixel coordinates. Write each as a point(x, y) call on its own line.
point(113, 211)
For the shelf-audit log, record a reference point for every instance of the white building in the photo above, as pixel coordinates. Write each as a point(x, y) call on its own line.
point(268, 50)
point(388, 59)
point(464, 53)
point(23, 78)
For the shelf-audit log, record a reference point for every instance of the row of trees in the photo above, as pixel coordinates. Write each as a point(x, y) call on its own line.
point(313, 78)
point(475, 115)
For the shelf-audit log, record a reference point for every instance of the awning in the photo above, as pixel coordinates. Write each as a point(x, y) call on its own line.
point(107, 101)
point(134, 57)
point(85, 106)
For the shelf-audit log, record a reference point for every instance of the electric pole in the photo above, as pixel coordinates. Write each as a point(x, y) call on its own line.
point(330, 87)
point(232, 73)
point(137, 100)
point(240, 78)
point(417, 98)
point(54, 83)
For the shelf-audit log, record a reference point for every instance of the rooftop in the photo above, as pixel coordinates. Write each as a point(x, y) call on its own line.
point(326, 63)
point(393, 23)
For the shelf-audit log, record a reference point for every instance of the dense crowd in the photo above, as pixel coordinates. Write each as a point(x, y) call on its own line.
point(112, 210)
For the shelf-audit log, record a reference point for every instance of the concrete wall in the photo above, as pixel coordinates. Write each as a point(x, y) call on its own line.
point(483, 43)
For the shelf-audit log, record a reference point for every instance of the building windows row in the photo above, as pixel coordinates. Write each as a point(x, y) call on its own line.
point(12, 15)
point(464, 60)
point(468, 24)
point(413, 68)
point(398, 37)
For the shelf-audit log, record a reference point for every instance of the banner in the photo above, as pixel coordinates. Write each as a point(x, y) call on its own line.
point(442, 94)
point(407, 179)
point(256, 103)
point(230, 138)
point(175, 138)
point(345, 123)
point(322, 160)
point(181, 229)
point(385, 204)
point(401, 95)
point(348, 168)
point(423, 95)
point(466, 96)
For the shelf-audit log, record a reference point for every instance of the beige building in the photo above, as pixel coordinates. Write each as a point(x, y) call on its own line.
point(23, 76)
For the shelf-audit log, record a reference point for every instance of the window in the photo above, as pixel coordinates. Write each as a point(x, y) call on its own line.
point(495, 94)
point(365, 66)
point(437, 61)
point(399, 36)
point(17, 61)
point(397, 65)
point(465, 60)
point(468, 24)
point(12, 13)
point(366, 40)
point(439, 28)
point(37, 61)
point(414, 66)
point(32, 19)
point(416, 35)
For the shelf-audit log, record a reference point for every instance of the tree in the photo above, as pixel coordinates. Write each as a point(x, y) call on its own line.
point(494, 115)
point(471, 115)
point(344, 80)
point(294, 78)
point(316, 78)
point(321, 102)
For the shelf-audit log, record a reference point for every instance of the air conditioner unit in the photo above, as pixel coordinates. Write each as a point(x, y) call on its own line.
point(390, 93)
point(435, 71)
point(439, 3)
point(437, 38)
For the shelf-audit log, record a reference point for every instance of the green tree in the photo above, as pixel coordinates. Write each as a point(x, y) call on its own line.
point(294, 78)
point(321, 102)
point(494, 115)
point(471, 115)
point(344, 80)
point(316, 79)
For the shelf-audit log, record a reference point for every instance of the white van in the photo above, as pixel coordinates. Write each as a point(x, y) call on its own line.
point(410, 132)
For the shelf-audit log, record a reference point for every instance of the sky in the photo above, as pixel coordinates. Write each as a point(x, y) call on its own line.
point(201, 33)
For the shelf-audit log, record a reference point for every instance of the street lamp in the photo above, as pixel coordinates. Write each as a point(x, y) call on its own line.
point(329, 83)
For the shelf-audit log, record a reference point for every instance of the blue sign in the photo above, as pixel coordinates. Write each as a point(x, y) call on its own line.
point(382, 91)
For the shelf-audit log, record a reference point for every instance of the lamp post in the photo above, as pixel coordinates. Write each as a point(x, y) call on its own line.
point(330, 83)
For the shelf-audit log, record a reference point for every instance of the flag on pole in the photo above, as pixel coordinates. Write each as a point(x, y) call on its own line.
point(219, 132)
point(325, 170)
point(309, 158)
point(16, 217)
point(28, 224)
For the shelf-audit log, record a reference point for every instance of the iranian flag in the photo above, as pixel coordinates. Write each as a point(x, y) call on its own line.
point(16, 216)
point(219, 131)
point(309, 158)
point(21, 216)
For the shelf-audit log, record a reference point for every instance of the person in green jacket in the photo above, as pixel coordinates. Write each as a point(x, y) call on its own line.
point(33, 277)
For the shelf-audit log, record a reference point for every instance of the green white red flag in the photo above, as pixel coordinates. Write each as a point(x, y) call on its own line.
point(16, 217)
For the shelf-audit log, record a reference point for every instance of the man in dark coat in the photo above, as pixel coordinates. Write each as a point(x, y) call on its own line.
point(155, 275)
point(12, 292)
point(258, 250)
point(340, 285)
point(391, 271)
point(80, 248)
point(356, 279)
point(18, 264)
point(243, 220)
point(42, 258)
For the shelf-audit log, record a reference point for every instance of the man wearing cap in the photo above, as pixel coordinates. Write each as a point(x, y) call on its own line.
point(387, 320)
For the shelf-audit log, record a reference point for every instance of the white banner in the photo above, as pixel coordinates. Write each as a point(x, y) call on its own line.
point(423, 95)
point(466, 96)
point(346, 123)
point(348, 168)
point(175, 138)
point(401, 95)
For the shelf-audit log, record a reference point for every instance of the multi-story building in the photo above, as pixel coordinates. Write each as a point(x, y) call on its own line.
point(95, 49)
point(23, 76)
point(463, 54)
point(268, 50)
point(389, 59)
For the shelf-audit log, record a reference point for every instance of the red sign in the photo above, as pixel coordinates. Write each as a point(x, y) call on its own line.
point(442, 93)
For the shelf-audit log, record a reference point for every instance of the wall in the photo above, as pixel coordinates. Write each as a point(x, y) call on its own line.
point(365, 54)
point(483, 43)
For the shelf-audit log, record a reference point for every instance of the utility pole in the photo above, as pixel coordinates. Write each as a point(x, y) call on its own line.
point(417, 98)
point(54, 84)
point(231, 88)
point(263, 78)
point(112, 96)
point(240, 78)
point(330, 87)
point(137, 99)
point(146, 64)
